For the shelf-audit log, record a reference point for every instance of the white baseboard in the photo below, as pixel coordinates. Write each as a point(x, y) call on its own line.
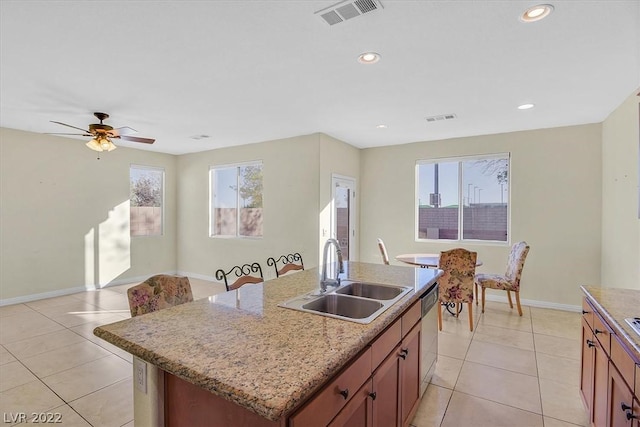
point(198, 276)
point(51, 294)
point(539, 304)
point(74, 290)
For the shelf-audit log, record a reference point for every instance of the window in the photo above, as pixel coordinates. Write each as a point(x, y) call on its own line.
point(463, 199)
point(146, 188)
point(236, 200)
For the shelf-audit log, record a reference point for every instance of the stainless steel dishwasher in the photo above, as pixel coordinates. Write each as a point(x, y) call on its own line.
point(429, 339)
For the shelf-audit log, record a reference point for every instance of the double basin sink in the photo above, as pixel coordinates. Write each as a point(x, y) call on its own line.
point(355, 301)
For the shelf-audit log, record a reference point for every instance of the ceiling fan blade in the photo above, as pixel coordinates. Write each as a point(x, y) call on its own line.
point(137, 139)
point(125, 130)
point(74, 127)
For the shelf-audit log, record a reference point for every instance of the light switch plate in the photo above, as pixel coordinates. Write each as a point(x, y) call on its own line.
point(140, 374)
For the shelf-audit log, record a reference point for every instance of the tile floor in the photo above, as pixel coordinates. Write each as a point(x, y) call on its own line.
point(511, 371)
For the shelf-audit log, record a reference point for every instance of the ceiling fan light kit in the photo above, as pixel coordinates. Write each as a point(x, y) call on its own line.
point(101, 143)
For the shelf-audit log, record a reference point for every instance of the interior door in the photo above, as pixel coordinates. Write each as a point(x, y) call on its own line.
point(343, 218)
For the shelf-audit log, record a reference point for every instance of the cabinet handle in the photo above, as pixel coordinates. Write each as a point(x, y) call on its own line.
point(585, 312)
point(345, 393)
point(624, 406)
point(404, 356)
point(405, 351)
point(631, 415)
point(373, 395)
point(598, 331)
point(591, 343)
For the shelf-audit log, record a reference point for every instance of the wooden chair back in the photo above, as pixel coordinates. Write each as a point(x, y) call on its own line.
point(246, 273)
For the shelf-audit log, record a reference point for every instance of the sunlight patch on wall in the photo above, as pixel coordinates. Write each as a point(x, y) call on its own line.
point(114, 244)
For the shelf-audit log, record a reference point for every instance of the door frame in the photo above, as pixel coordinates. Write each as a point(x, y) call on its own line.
point(338, 180)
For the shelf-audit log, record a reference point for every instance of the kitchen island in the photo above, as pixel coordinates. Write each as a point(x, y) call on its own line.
point(242, 348)
point(610, 374)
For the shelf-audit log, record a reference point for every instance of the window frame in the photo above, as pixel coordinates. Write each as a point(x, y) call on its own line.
point(460, 160)
point(162, 196)
point(237, 166)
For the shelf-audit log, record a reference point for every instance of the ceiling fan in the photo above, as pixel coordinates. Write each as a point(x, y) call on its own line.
point(103, 134)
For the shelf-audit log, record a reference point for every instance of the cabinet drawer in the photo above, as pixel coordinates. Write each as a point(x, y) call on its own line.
point(587, 312)
point(602, 332)
point(411, 317)
point(326, 404)
point(623, 361)
point(385, 343)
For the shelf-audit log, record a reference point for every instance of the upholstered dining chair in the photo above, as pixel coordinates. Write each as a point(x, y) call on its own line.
point(246, 273)
point(383, 252)
point(158, 292)
point(289, 262)
point(510, 281)
point(456, 283)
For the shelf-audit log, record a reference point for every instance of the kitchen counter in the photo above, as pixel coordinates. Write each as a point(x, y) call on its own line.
point(244, 348)
point(617, 305)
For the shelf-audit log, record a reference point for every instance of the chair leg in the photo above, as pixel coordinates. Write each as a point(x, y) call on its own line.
point(477, 296)
point(518, 302)
point(439, 316)
point(483, 299)
point(471, 316)
point(509, 297)
point(458, 309)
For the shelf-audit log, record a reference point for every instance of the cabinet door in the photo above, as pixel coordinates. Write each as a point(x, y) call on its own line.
point(635, 415)
point(359, 411)
point(386, 388)
point(586, 374)
point(410, 373)
point(600, 380)
point(620, 400)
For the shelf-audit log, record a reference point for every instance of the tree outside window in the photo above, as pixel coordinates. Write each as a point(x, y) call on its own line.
point(236, 200)
point(146, 196)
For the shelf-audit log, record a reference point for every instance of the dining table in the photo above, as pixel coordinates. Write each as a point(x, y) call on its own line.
point(424, 260)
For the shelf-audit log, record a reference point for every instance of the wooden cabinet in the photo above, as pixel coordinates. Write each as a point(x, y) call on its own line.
point(409, 374)
point(358, 412)
point(386, 382)
point(609, 377)
point(334, 396)
point(386, 377)
point(620, 400)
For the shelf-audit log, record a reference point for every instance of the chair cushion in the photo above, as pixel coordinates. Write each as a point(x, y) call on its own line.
point(495, 281)
point(158, 292)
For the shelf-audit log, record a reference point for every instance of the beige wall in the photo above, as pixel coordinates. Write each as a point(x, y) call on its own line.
point(620, 223)
point(555, 205)
point(65, 216)
point(290, 181)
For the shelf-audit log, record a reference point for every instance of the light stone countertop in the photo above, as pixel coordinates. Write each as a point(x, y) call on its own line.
point(241, 346)
point(617, 305)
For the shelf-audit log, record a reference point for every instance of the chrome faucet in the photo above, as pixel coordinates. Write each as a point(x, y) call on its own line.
point(324, 280)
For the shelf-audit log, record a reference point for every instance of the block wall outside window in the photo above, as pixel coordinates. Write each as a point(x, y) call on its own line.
point(463, 198)
point(146, 200)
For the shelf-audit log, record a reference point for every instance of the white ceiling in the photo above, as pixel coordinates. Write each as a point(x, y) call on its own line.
point(251, 71)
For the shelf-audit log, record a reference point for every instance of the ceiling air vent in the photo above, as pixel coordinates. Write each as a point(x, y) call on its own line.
point(345, 10)
point(441, 117)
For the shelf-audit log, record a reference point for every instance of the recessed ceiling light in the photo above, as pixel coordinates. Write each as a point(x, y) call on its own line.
point(382, 126)
point(536, 13)
point(525, 106)
point(369, 58)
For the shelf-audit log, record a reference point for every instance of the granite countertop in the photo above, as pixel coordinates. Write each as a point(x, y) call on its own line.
point(241, 346)
point(617, 305)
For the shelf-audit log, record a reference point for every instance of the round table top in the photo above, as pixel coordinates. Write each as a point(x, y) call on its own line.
point(425, 260)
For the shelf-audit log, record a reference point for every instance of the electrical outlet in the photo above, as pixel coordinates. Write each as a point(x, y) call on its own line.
point(140, 374)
